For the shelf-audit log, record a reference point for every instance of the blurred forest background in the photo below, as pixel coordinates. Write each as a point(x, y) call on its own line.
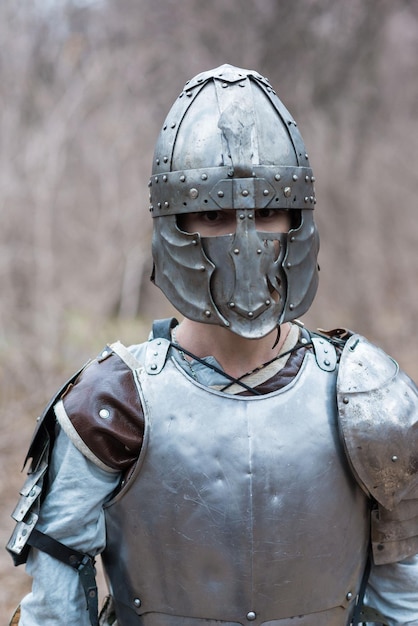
point(84, 89)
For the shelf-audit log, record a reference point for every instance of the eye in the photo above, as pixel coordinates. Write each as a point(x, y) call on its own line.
point(272, 220)
point(211, 216)
point(263, 213)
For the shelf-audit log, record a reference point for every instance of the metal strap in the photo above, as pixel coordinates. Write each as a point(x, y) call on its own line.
point(325, 354)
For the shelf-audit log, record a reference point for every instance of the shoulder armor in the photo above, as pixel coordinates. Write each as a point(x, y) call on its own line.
point(378, 415)
point(102, 412)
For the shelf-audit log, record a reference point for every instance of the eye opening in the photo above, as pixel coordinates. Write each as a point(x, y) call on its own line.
point(295, 219)
point(265, 212)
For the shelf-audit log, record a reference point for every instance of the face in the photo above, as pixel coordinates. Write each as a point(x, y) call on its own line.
point(223, 222)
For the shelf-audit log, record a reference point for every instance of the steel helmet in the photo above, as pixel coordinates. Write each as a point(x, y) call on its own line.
point(229, 143)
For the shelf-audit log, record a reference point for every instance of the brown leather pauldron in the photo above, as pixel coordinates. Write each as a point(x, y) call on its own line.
point(104, 407)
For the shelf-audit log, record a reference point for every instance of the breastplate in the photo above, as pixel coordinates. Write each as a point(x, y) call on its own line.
point(240, 510)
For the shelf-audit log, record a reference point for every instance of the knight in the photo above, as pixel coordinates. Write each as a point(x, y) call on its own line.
point(236, 469)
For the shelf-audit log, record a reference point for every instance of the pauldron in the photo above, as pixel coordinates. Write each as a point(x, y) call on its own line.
point(378, 415)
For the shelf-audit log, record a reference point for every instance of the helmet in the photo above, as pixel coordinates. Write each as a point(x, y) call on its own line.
point(228, 143)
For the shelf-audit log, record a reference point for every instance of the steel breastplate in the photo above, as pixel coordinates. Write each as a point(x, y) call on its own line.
point(240, 510)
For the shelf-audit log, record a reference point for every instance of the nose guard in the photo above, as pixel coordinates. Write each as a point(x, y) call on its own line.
point(248, 283)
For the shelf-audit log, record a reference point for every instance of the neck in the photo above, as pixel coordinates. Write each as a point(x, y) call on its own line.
point(236, 355)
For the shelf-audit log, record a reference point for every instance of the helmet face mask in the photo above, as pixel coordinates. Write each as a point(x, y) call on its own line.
point(229, 144)
point(247, 283)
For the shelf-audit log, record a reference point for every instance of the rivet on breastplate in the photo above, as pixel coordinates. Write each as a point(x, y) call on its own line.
point(251, 616)
point(346, 400)
point(349, 595)
point(394, 458)
point(154, 366)
point(137, 602)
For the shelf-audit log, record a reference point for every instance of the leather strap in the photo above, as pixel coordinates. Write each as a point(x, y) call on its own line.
point(83, 563)
point(162, 328)
point(358, 610)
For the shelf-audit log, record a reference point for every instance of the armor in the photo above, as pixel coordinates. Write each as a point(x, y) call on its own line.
point(229, 143)
point(255, 499)
point(259, 540)
point(378, 417)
